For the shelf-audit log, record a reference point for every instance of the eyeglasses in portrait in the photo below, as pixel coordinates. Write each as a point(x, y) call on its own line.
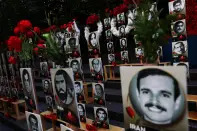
point(96, 66)
point(76, 65)
point(65, 128)
point(28, 88)
point(154, 97)
point(79, 90)
point(99, 94)
point(107, 22)
point(177, 6)
point(111, 58)
point(82, 112)
point(33, 121)
point(101, 117)
point(110, 47)
point(179, 48)
point(44, 69)
point(139, 51)
point(121, 18)
point(178, 28)
point(123, 43)
point(64, 93)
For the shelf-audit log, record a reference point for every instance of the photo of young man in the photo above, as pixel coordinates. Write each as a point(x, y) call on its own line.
point(179, 48)
point(99, 94)
point(76, 65)
point(46, 83)
point(96, 66)
point(79, 91)
point(101, 117)
point(157, 95)
point(44, 69)
point(33, 121)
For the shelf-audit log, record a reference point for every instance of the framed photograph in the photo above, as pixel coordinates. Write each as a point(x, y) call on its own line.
point(139, 51)
point(179, 48)
point(46, 84)
point(99, 94)
point(101, 117)
point(111, 58)
point(29, 88)
point(121, 30)
point(110, 47)
point(178, 28)
point(160, 51)
point(76, 65)
point(72, 44)
point(93, 41)
point(124, 56)
point(44, 69)
point(108, 34)
point(65, 128)
point(64, 93)
point(177, 6)
point(107, 22)
point(184, 64)
point(121, 18)
point(49, 101)
point(96, 66)
point(60, 38)
point(154, 97)
point(123, 43)
point(79, 90)
point(82, 112)
point(34, 121)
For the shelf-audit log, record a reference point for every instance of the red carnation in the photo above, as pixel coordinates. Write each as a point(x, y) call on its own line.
point(130, 112)
point(92, 19)
point(17, 30)
point(36, 50)
point(53, 27)
point(41, 46)
point(30, 34)
point(12, 60)
point(24, 25)
point(15, 43)
point(37, 30)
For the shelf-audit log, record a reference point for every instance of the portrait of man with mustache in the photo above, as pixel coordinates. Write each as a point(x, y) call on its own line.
point(158, 94)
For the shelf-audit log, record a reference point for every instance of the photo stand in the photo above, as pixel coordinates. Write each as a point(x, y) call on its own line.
point(83, 125)
point(192, 114)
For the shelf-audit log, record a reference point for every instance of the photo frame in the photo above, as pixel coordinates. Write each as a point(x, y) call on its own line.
point(47, 86)
point(64, 94)
point(121, 18)
point(76, 65)
point(110, 47)
point(49, 101)
point(123, 43)
point(99, 93)
point(44, 69)
point(178, 28)
point(124, 56)
point(79, 90)
point(111, 58)
point(139, 109)
point(121, 30)
point(29, 88)
point(101, 117)
point(82, 112)
point(107, 22)
point(34, 121)
point(179, 48)
point(177, 6)
point(108, 34)
point(139, 51)
point(93, 41)
point(96, 67)
point(72, 45)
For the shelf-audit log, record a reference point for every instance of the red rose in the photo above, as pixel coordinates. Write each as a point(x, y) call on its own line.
point(92, 19)
point(64, 26)
point(17, 30)
point(30, 34)
point(36, 50)
point(24, 25)
point(41, 46)
point(12, 60)
point(37, 30)
point(15, 43)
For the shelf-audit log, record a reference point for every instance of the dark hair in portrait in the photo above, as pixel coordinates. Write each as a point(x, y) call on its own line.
point(95, 60)
point(31, 116)
point(100, 87)
point(151, 72)
point(72, 42)
point(176, 25)
point(101, 109)
point(81, 107)
point(74, 61)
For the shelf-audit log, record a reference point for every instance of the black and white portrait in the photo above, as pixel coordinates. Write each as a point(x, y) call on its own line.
point(46, 84)
point(101, 117)
point(108, 34)
point(95, 66)
point(121, 18)
point(76, 65)
point(82, 112)
point(160, 51)
point(60, 38)
point(177, 6)
point(93, 41)
point(72, 44)
point(110, 47)
point(107, 22)
point(65, 128)
point(49, 101)
point(111, 58)
point(124, 56)
point(185, 65)
point(157, 95)
point(79, 91)
point(139, 51)
point(33, 121)
point(99, 94)
point(44, 69)
point(123, 43)
point(121, 30)
point(64, 94)
point(179, 28)
point(28, 88)
point(179, 48)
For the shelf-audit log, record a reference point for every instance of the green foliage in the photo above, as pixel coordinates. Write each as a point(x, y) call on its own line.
point(151, 32)
point(27, 50)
